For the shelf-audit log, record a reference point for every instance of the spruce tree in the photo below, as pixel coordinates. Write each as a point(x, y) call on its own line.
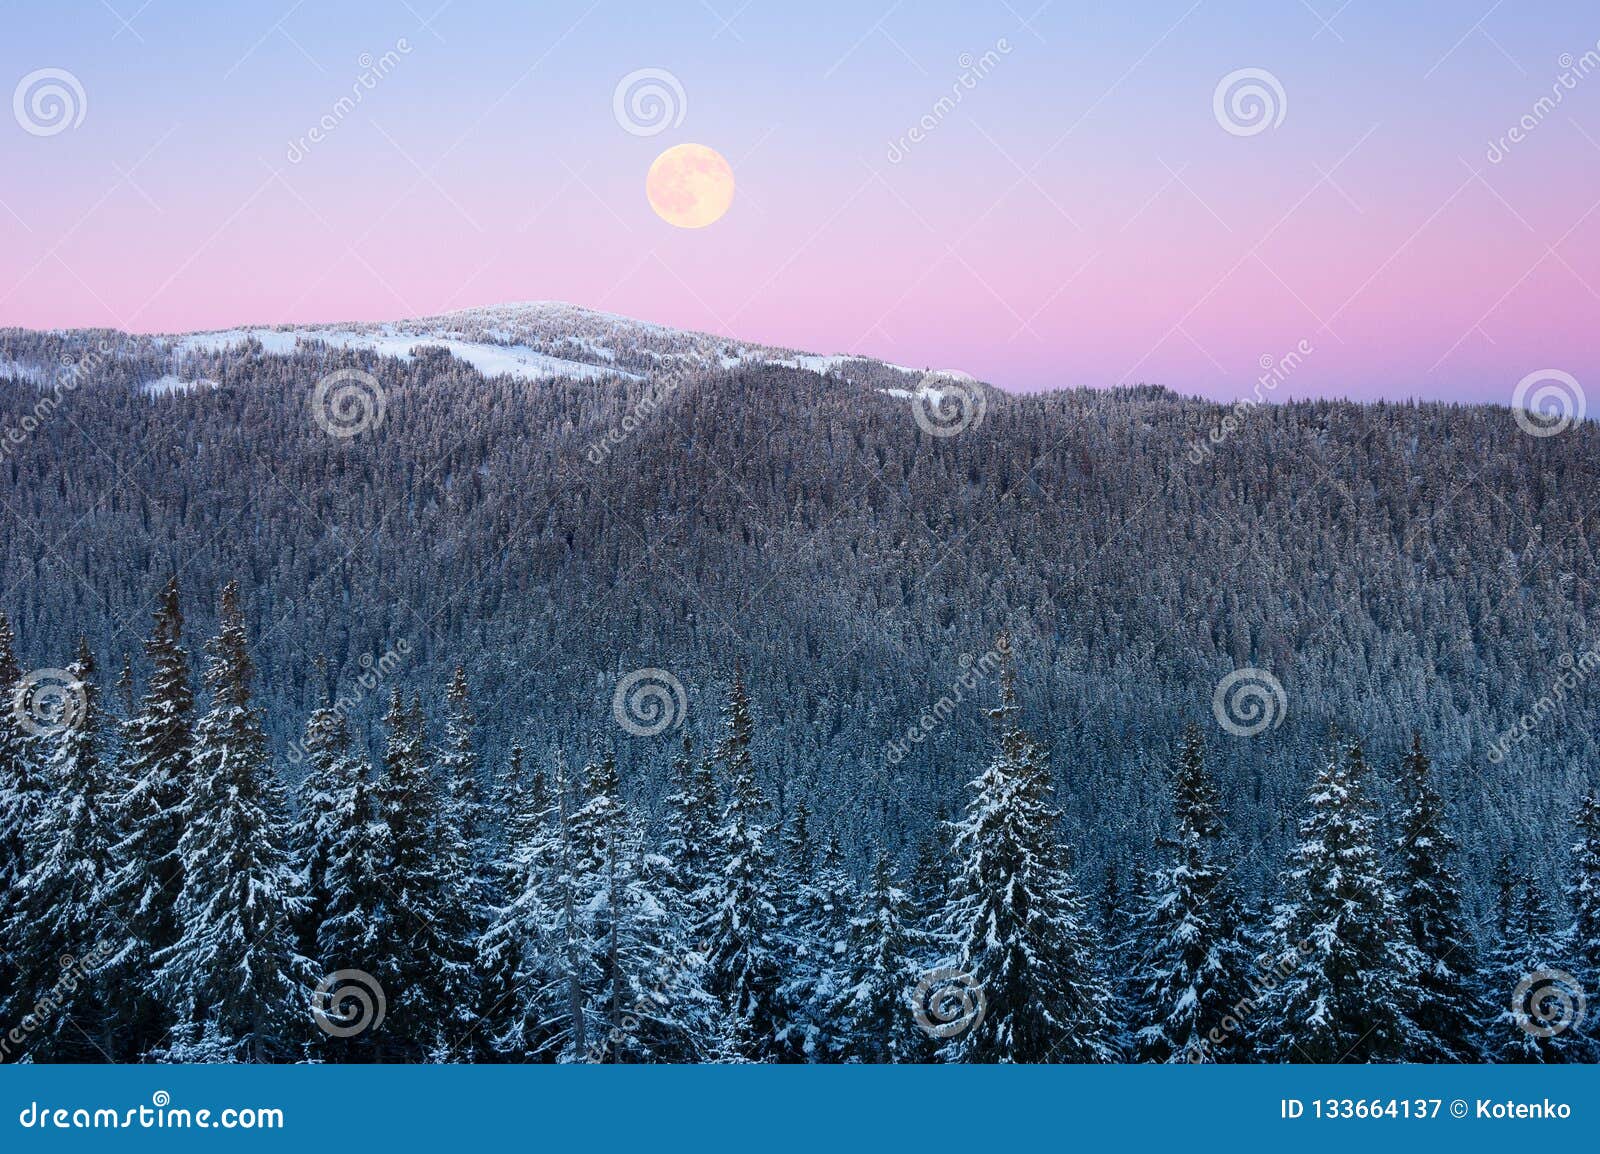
point(64, 907)
point(692, 810)
point(427, 965)
point(1582, 946)
point(1431, 890)
point(158, 780)
point(523, 952)
point(818, 907)
point(233, 979)
point(23, 796)
point(1020, 925)
point(329, 835)
point(1193, 966)
point(869, 1015)
point(740, 915)
point(1519, 969)
point(1348, 993)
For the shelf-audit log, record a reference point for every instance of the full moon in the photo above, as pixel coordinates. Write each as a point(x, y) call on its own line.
point(690, 186)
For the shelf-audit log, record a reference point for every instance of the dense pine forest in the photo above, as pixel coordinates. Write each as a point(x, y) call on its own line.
point(929, 764)
point(166, 899)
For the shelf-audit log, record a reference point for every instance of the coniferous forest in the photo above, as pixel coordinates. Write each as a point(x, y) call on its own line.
point(177, 905)
point(784, 731)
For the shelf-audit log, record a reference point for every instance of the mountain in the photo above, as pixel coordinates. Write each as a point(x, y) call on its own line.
point(556, 498)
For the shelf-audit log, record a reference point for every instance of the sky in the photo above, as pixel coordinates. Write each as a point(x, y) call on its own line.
point(1043, 196)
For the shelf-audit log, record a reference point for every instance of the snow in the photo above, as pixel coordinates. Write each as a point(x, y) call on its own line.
point(169, 383)
point(19, 371)
point(492, 360)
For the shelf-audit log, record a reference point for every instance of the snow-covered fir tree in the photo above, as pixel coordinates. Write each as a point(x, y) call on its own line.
point(740, 914)
point(1020, 925)
point(1192, 968)
point(157, 781)
point(1582, 945)
point(23, 796)
point(870, 1016)
point(1447, 1013)
point(64, 905)
point(691, 823)
point(427, 964)
point(329, 772)
point(1517, 970)
point(818, 902)
point(526, 953)
point(650, 1003)
point(1349, 991)
point(233, 979)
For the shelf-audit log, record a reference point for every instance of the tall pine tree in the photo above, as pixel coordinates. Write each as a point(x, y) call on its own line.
point(1018, 920)
point(1194, 967)
point(1447, 1012)
point(64, 906)
point(234, 979)
point(1348, 993)
point(740, 913)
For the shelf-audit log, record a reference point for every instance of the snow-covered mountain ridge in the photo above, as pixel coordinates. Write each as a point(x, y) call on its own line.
point(529, 341)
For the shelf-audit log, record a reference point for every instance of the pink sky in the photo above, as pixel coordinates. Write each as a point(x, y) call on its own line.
point(1081, 218)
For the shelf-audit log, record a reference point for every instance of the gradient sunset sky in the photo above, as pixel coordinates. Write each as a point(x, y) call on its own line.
point(1081, 217)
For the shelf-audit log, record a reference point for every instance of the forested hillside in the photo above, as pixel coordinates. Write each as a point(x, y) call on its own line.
point(707, 510)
